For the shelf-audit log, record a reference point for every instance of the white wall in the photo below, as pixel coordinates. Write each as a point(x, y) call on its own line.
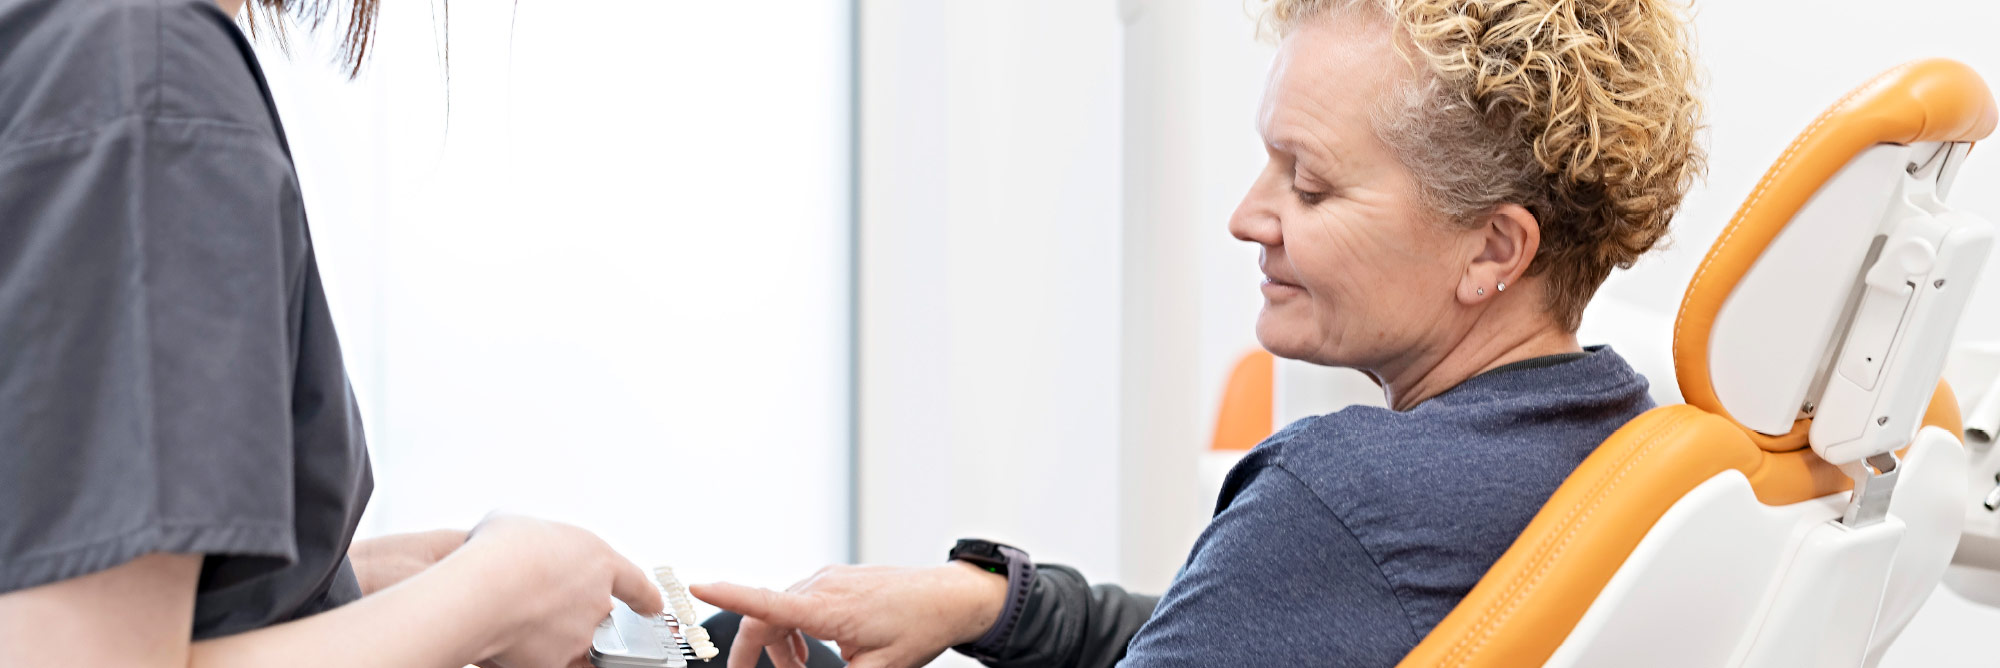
point(1190, 296)
point(989, 274)
point(989, 279)
point(614, 291)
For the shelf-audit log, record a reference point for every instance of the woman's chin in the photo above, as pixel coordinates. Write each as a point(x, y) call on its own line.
point(1284, 339)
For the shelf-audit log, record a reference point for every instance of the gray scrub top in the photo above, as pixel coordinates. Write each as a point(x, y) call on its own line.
point(169, 376)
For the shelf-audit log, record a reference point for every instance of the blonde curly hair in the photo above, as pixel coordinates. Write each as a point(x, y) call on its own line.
point(1584, 112)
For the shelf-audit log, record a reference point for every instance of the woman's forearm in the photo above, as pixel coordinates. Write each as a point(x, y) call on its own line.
point(446, 616)
point(1070, 624)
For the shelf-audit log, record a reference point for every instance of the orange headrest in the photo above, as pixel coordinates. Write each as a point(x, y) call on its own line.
point(1925, 101)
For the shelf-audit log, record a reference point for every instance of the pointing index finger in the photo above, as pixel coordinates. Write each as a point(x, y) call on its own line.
point(777, 608)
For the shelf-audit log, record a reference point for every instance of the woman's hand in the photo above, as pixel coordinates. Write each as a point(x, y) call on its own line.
point(382, 562)
point(556, 583)
point(881, 616)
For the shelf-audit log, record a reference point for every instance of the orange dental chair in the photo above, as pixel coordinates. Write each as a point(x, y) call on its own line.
point(1807, 498)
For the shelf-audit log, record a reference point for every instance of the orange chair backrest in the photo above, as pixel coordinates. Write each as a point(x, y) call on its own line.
point(1527, 603)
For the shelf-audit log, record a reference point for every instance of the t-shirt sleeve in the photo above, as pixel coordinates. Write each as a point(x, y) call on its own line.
point(1275, 580)
point(146, 353)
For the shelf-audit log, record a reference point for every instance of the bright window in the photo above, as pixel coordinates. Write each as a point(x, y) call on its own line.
point(611, 285)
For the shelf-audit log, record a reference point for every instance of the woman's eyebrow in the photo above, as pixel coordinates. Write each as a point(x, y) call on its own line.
point(1312, 159)
point(1310, 151)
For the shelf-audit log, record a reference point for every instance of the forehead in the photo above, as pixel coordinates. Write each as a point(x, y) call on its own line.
point(1330, 75)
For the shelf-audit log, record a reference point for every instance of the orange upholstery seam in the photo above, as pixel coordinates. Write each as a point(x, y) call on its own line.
point(1546, 554)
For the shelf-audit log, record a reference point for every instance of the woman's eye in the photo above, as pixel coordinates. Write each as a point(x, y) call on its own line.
point(1308, 197)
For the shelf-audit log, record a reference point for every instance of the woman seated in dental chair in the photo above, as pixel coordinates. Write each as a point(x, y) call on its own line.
point(1448, 184)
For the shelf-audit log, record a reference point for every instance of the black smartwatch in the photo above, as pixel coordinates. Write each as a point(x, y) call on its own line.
point(1005, 560)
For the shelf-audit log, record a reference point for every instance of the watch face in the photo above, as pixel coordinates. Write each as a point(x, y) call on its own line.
point(981, 553)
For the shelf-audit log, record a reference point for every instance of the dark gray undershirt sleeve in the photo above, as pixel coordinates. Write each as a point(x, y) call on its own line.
point(1070, 624)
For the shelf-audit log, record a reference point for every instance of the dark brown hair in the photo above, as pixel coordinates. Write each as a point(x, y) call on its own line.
point(358, 26)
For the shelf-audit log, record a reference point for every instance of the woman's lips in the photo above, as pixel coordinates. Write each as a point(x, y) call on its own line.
point(1277, 289)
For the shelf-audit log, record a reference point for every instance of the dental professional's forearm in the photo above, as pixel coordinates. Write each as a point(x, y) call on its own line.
point(446, 616)
point(384, 561)
point(1070, 624)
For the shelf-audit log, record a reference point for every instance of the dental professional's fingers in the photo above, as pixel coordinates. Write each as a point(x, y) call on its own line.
point(631, 584)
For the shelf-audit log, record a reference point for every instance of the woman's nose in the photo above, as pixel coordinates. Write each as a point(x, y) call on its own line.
point(1255, 220)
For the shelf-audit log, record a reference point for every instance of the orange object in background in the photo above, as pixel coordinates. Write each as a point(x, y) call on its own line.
point(1246, 414)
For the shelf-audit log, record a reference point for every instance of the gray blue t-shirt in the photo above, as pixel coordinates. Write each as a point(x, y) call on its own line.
point(169, 376)
point(1342, 540)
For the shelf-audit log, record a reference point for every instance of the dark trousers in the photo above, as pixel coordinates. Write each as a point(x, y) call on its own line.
point(722, 632)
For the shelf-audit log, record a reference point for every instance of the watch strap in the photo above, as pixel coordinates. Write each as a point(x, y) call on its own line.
point(1020, 582)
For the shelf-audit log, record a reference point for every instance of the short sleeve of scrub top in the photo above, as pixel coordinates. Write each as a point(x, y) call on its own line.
point(169, 376)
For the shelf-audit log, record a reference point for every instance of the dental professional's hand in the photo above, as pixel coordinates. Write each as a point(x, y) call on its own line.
point(554, 583)
point(382, 562)
point(881, 616)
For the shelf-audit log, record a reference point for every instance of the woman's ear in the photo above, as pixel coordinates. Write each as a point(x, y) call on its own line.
point(1507, 241)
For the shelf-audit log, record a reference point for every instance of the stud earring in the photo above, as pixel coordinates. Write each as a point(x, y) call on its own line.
point(1482, 292)
point(1503, 287)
